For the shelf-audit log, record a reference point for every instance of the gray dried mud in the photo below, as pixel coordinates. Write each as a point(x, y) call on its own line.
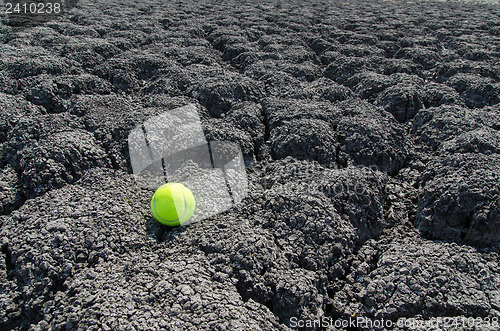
point(371, 137)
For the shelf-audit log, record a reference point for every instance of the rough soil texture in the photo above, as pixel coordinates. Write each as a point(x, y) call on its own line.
point(371, 136)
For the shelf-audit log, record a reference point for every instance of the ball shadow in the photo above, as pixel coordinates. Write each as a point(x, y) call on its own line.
point(162, 233)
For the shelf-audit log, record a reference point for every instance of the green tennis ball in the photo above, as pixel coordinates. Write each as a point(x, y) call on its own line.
point(172, 204)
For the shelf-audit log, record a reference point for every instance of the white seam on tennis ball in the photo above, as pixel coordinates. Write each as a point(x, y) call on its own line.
point(185, 208)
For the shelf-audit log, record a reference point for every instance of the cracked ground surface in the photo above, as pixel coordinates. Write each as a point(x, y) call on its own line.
point(371, 137)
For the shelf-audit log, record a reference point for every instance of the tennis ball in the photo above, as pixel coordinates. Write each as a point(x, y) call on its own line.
point(172, 204)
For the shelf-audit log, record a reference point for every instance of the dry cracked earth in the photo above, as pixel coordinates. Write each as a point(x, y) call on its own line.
point(371, 137)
